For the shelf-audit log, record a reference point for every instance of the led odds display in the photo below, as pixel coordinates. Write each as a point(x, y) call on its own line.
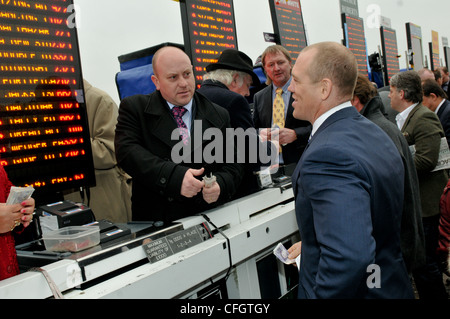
point(288, 24)
point(390, 53)
point(355, 40)
point(44, 137)
point(209, 28)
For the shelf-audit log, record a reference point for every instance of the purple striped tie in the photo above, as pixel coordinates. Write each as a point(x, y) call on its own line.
point(178, 112)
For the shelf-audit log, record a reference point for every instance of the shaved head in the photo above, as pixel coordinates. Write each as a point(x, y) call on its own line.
point(334, 61)
point(167, 51)
point(173, 75)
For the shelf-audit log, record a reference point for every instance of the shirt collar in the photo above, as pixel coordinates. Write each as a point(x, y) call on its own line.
point(439, 106)
point(284, 87)
point(187, 106)
point(402, 116)
point(321, 119)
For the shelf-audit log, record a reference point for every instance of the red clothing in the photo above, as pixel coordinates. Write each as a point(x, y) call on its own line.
point(444, 228)
point(8, 257)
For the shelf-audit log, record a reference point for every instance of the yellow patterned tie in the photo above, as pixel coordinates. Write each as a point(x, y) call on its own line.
point(278, 109)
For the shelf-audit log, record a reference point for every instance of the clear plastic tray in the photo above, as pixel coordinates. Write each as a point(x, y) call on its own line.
point(72, 238)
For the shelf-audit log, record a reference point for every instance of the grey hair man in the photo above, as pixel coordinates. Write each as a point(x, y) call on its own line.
point(422, 128)
point(227, 83)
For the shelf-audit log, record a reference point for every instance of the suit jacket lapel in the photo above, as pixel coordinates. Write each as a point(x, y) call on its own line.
point(266, 114)
point(442, 109)
point(411, 114)
point(161, 119)
point(203, 119)
point(344, 113)
point(205, 111)
point(157, 107)
point(164, 124)
point(290, 111)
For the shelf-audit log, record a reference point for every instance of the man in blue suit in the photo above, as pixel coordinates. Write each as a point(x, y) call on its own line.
point(348, 187)
point(435, 99)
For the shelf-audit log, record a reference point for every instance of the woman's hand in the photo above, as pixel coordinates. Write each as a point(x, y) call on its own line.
point(27, 211)
point(14, 215)
point(10, 217)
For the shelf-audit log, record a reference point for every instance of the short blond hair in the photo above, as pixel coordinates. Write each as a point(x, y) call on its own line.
point(336, 62)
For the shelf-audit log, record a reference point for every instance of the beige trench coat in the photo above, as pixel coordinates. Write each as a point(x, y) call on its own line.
point(111, 197)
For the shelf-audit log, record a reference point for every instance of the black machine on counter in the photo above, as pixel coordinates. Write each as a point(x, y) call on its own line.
point(67, 213)
point(59, 215)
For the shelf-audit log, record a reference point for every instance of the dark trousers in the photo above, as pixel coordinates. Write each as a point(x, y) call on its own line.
point(428, 279)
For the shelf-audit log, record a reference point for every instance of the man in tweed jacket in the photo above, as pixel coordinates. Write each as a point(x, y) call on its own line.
point(422, 128)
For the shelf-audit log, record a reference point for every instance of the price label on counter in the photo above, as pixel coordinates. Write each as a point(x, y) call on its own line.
point(169, 245)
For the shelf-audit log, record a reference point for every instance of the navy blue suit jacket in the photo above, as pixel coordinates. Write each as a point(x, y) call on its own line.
point(348, 188)
point(444, 117)
point(236, 105)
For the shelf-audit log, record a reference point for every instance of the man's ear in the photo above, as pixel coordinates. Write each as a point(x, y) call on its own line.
point(234, 82)
point(326, 86)
point(155, 81)
point(357, 103)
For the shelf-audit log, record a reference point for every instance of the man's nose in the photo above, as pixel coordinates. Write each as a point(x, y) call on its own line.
point(182, 82)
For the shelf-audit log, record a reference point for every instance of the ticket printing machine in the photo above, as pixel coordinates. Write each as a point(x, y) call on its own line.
point(223, 253)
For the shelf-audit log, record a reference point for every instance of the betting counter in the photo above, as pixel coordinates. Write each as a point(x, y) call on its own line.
point(233, 260)
point(45, 143)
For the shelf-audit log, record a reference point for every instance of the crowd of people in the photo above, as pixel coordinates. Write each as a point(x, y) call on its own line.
point(368, 187)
